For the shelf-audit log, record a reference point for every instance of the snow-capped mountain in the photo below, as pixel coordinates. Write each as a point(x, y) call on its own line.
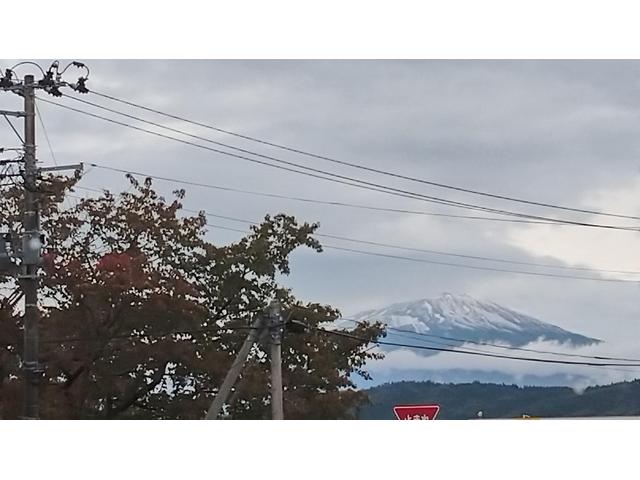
point(463, 317)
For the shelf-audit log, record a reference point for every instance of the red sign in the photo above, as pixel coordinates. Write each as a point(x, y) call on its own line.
point(416, 412)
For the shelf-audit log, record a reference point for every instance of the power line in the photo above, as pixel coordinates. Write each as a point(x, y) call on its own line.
point(144, 336)
point(481, 354)
point(435, 262)
point(46, 135)
point(421, 250)
point(458, 265)
point(394, 333)
point(140, 335)
point(182, 132)
point(468, 351)
point(434, 252)
point(13, 128)
point(475, 267)
point(322, 202)
point(332, 177)
point(410, 336)
point(345, 180)
point(364, 167)
point(476, 257)
point(506, 347)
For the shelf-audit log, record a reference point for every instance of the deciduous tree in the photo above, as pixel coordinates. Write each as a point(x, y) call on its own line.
point(142, 315)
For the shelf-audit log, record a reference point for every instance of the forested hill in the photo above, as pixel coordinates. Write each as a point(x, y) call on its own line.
point(464, 401)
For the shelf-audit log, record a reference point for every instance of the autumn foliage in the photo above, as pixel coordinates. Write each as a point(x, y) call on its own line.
point(142, 315)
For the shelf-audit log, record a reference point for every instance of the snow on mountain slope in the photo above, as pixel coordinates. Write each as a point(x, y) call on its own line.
point(463, 317)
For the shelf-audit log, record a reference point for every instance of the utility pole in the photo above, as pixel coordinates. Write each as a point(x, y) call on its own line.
point(276, 329)
point(31, 248)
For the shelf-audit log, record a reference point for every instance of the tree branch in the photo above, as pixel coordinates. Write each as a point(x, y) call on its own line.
point(136, 393)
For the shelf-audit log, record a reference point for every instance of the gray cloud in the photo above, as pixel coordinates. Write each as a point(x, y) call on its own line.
point(553, 131)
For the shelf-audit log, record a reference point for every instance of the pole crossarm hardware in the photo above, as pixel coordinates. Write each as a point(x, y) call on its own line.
point(10, 113)
point(29, 250)
point(76, 166)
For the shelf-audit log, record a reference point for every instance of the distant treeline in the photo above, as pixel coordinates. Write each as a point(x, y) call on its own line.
point(464, 401)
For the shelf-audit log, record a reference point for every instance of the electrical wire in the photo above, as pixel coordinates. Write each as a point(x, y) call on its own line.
point(140, 335)
point(198, 137)
point(452, 348)
point(321, 202)
point(381, 188)
point(422, 260)
point(477, 352)
point(447, 264)
point(13, 128)
point(366, 168)
point(46, 135)
point(433, 342)
point(393, 332)
point(477, 257)
point(434, 252)
point(342, 179)
point(475, 267)
point(27, 63)
point(481, 354)
point(494, 345)
point(143, 336)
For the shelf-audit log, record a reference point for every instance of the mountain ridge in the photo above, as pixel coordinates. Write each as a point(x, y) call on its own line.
point(465, 318)
point(465, 400)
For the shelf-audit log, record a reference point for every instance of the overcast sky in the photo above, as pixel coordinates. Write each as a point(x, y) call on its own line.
point(555, 131)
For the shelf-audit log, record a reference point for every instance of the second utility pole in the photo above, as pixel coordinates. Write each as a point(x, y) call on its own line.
point(273, 323)
point(30, 256)
point(276, 328)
